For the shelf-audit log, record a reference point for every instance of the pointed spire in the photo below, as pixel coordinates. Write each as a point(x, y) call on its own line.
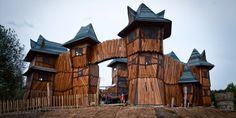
point(144, 15)
point(144, 12)
point(161, 14)
point(195, 56)
point(33, 44)
point(40, 39)
point(199, 60)
point(187, 76)
point(203, 55)
point(85, 33)
point(173, 55)
point(131, 14)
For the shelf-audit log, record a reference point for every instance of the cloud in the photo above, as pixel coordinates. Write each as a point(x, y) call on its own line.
point(20, 25)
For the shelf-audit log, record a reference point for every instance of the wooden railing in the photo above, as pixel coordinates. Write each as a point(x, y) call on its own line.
point(47, 103)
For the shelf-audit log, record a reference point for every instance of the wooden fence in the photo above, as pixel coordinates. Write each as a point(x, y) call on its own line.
point(46, 103)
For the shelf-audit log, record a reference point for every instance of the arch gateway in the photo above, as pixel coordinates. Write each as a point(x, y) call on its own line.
point(153, 77)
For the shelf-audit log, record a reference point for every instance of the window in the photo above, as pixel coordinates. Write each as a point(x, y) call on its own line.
point(78, 51)
point(205, 74)
point(80, 73)
point(43, 76)
point(131, 36)
point(149, 33)
point(45, 60)
point(122, 79)
point(148, 60)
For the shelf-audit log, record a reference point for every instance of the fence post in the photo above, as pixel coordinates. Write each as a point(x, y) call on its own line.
point(62, 101)
point(48, 93)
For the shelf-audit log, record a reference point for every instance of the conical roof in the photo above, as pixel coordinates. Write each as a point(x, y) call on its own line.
point(199, 60)
point(173, 56)
point(44, 46)
point(85, 33)
point(118, 60)
point(145, 15)
point(187, 76)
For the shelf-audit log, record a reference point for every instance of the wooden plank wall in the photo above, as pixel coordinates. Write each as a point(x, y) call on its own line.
point(63, 78)
point(172, 73)
point(81, 60)
point(146, 79)
point(39, 61)
point(107, 50)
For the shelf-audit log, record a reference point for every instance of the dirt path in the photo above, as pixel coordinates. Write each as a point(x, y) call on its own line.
point(128, 112)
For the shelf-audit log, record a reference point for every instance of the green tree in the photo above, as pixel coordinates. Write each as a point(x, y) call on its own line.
point(11, 64)
point(232, 88)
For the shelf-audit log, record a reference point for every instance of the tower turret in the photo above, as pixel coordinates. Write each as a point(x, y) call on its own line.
point(144, 37)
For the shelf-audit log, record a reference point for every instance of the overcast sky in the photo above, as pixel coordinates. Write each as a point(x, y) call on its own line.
point(200, 24)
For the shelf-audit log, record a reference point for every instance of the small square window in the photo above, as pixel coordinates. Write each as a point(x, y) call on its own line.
point(131, 36)
point(45, 60)
point(149, 33)
point(79, 51)
point(80, 73)
point(148, 60)
point(205, 74)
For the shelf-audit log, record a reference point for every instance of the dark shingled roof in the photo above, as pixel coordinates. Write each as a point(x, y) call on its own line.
point(173, 56)
point(118, 60)
point(187, 76)
point(145, 16)
point(199, 60)
point(45, 69)
point(85, 33)
point(44, 46)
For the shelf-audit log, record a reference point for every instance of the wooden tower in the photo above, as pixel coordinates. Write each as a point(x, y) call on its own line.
point(85, 74)
point(144, 40)
point(200, 67)
point(42, 57)
point(119, 75)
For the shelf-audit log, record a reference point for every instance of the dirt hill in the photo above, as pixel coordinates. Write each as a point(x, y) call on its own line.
point(128, 112)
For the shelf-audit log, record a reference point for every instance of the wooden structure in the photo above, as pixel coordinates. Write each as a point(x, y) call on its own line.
point(42, 57)
point(119, 77)
point(154, 78)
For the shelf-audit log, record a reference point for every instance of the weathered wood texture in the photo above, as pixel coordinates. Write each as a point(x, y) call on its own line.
point(80, 60)
point(46, 103)
point(173, 70)
point(63, 77)
point(107, 50)
point(43, 60)
point(146, 44)
point(146, 91)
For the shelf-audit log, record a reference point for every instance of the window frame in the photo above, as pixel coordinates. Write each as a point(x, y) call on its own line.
point(80, 72)
point(131, 36)
point(148, 59)
point(149, 33)
point(78, 51)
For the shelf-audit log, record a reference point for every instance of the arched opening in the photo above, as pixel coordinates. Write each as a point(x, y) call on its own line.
point(113, 84)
